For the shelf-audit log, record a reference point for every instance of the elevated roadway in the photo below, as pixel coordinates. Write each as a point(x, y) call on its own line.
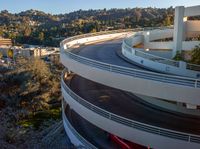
point(105, 52)
point(120, 113)
point(132, 107)
point(95, 58)
point(121, 102)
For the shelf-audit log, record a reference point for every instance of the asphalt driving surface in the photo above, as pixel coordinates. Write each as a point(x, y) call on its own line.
point(122, 103)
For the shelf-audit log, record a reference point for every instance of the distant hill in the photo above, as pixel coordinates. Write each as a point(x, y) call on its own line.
point(101, 15)
point(37, 27)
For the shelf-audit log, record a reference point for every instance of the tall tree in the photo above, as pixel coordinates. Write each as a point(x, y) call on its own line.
point(41, 36)
point(27, 31)
point(167, 21)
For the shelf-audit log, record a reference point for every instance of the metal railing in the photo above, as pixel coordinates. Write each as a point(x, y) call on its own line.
point(80, 138)
point(193, 67)
point(159, 59)
point(135, 72)
point(131, 123)
point(151, 56)
point(178, 80)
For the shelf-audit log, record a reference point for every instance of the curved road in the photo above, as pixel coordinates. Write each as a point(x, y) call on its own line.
point(105, 52)
point(122, 103)
point(90, 132)
point(130, 106)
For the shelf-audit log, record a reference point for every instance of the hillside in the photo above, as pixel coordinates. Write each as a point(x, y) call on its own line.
point(30, 106)
point(37, 27)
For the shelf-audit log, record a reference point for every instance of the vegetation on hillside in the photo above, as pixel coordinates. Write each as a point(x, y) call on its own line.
point(38, 28)
point(30, 101)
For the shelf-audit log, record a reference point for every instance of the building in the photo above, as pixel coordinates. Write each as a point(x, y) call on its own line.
point(132, 95)
point(40, 52)
point(5, 42)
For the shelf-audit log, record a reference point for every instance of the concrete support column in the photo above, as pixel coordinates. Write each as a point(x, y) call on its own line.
point(178, 29)
point(146, 39)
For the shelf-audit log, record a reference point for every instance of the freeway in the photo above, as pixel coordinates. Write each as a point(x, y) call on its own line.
point(121, 102)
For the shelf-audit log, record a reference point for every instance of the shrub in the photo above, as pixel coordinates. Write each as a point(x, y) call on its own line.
point(195, 57)
point(178, 56)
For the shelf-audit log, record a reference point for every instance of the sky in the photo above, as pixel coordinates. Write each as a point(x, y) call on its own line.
point(66, 6)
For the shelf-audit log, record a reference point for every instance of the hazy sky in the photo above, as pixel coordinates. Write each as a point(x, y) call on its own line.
point(65, 6)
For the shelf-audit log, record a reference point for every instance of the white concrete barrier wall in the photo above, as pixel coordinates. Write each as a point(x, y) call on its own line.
point(96, 38)
point(189, 45)
point(186, 45)
point(74, 140)
point(148, 87)
point(159, 45)
point(192, 30)
point(128, 133)
point(192, 11)
point(154, 64)
point(173, 92)
point(192, 26)
point(158, 66)
point(193, 34)
point(137, 40)
point(160, 34)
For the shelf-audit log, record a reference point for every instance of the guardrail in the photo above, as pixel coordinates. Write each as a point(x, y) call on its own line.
point(193, 67)
point(159, 59)
point(178, 80)
point(112, 32)
point(135, 72)
point(99, 33)
point(151, 56)
point(131, 123)
point(85, 142)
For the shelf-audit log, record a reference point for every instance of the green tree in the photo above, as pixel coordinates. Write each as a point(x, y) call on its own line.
point(167, 21)
point(40, 70)
point(27, 31)
point(178, 56)
point(138, 16)
point(1, 55)
point(195, 59)
point(41, 36)
point(97, 25)
point(1, 32)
